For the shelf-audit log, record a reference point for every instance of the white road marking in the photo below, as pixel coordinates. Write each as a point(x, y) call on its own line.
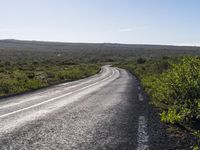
point(21, 102)
point(143, 137)
point(92, 77)
point(55, 98)
point(81, 83)
point(54, 92)
point(140, 97)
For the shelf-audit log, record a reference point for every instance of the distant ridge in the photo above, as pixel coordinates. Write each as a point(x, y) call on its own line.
point(27, 49)
point(75, 43)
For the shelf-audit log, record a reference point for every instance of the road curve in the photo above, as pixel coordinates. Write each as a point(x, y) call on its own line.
point(104, 111)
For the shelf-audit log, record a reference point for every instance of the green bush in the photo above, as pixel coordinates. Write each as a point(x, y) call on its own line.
point(141, 60)
point(173, 85)
point(178, 89)
point(22, 78)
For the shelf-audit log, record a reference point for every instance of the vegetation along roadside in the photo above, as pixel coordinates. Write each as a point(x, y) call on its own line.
point(173, 85)
point(22, 77)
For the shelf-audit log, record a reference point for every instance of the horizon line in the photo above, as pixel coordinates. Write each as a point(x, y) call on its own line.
point(73, 42)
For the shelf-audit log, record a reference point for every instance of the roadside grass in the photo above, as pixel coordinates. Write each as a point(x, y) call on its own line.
point(173, 85)
point(17, 78)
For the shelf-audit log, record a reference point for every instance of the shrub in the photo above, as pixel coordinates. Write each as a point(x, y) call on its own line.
point(177, 91)
point(173, 85)
point(141, 60)
point(14, 80)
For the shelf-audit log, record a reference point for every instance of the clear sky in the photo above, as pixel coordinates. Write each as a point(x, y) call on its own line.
point(116, 21)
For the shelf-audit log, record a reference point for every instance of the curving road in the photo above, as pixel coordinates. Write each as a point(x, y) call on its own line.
point(105, 111)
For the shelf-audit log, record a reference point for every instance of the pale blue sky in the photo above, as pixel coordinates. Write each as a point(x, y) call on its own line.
point(116, 21)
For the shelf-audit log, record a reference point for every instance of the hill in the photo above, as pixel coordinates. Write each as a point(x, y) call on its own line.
point(16, 49)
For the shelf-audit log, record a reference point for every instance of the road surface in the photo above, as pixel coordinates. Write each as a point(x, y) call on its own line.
point(105, 111)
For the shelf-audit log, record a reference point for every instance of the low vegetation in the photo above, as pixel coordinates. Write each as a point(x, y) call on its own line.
point(21, 77)
point(173, 85)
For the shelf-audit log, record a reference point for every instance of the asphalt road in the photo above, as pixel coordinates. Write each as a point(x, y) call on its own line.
point(105, 111)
